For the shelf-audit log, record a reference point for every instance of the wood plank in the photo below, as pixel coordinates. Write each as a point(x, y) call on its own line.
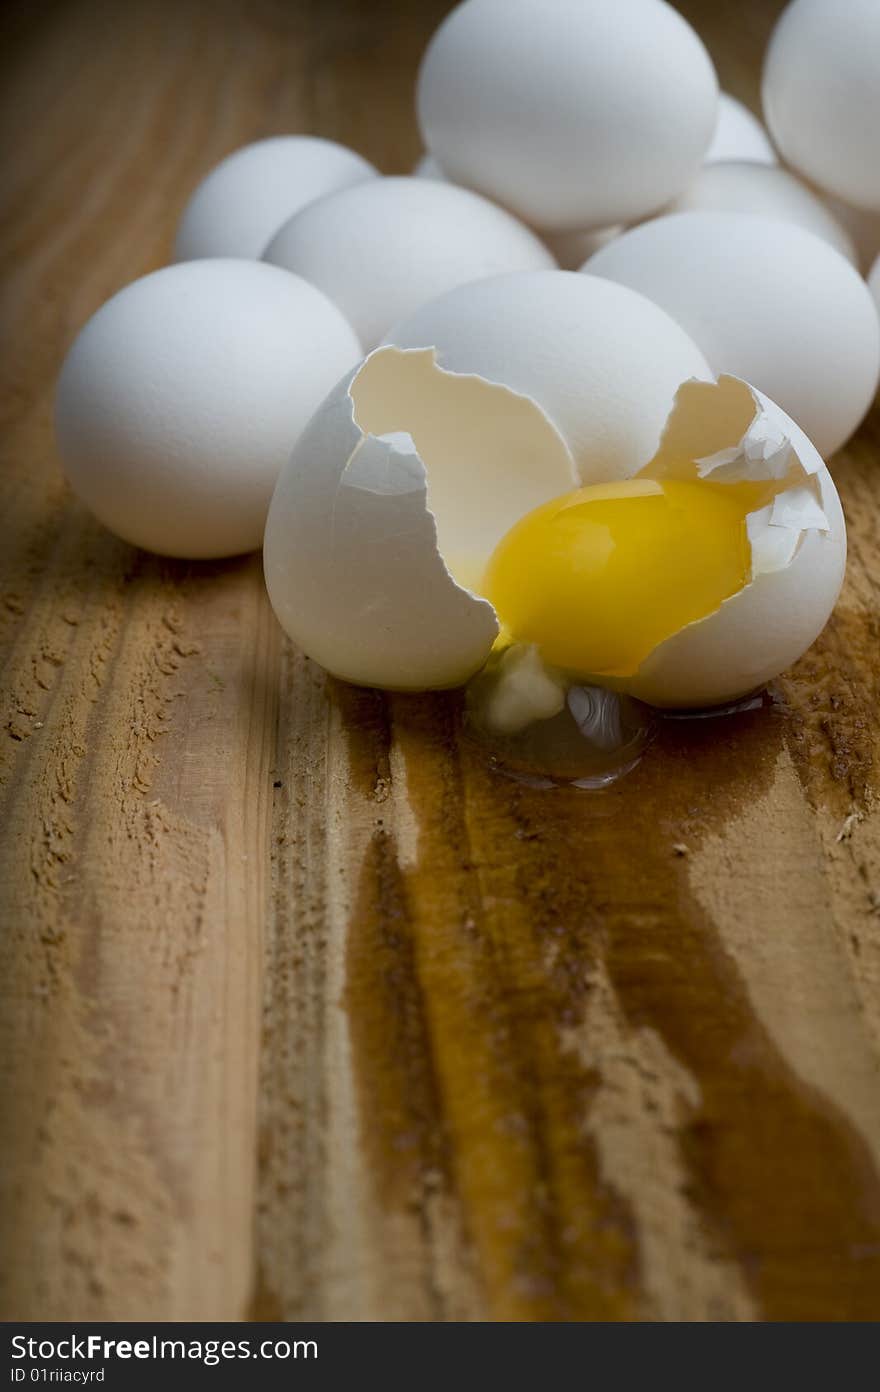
point(307, 1012)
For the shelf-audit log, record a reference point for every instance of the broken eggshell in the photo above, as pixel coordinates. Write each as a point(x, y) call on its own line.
point(351, 547)
point(410, 474)
point(874, 282)
point(798, 557)
point(729, 432)
point(602, 361)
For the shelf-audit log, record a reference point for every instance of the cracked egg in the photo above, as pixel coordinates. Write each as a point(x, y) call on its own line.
point(431, 519)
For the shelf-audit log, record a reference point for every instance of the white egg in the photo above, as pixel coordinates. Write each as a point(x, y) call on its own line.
point(604, 363)
point(727, 434)
point(874, 282)
point(571, 249)
point(767, 301)
point(572, 113)
point(428, 168)
point(821, 92)
point(739, 186)
point(383, 248)
point(245, 198)
point(863, 228)
point(739, 135)
point(568, 249)
point(408, 476)
point(183, 395)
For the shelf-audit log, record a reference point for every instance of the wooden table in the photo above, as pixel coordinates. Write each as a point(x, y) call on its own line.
point(306, 1012)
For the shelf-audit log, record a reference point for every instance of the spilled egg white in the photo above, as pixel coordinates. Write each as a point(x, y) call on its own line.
point(411, 473)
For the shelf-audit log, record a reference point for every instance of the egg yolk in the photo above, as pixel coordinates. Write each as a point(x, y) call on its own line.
point(598, 578)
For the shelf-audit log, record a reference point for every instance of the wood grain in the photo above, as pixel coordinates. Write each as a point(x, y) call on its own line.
point(308, 1013)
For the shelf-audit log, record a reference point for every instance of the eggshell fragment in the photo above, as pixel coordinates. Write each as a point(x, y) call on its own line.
point(739, 433)
point(821, 93)
point(766, 301)
point(572, 113)
point(739, 135)
point(401, 456)
point(183, 395)
point(602, 362)
point(382, 248)
point(245, 198)
point(738, 186)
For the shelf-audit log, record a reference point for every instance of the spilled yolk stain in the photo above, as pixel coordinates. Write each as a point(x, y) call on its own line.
point(599, 577)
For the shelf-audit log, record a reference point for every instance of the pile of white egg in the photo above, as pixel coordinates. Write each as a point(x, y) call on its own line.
point(555, 407)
